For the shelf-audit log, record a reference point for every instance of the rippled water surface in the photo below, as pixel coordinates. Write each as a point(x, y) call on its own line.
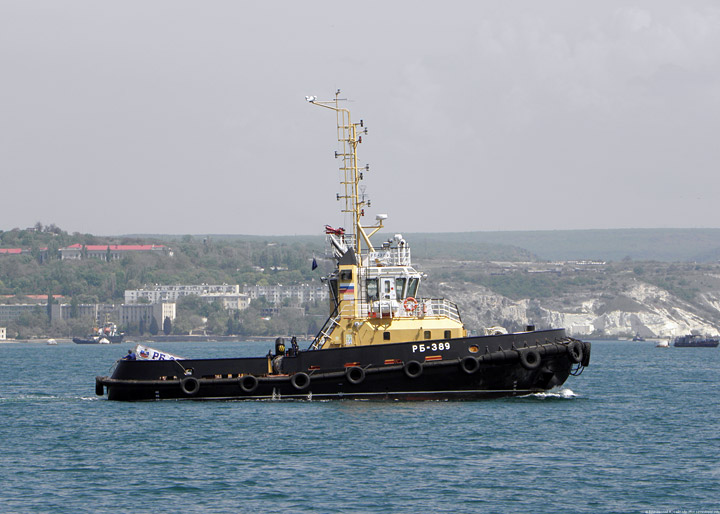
point(638, 430)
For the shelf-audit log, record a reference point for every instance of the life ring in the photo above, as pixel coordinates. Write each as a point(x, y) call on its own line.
point(408, 302)
point(575, 352)
point(190, 385)
point(355, 375)
point(300, 381)
point(530, 358)
point(469, 364)
point(248, 383)
point(413, 369)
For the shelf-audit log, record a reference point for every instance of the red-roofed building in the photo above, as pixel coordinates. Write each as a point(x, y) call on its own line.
point(108, 252)
point(41, 252)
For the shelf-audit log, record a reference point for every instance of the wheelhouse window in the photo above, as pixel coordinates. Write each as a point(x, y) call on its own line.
point(387, 287)
point(399, 288)
point(413, 287)
point(372, 289)
point(334, 289)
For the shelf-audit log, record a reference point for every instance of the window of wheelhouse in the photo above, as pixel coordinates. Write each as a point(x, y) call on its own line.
point(334, 289)
point(371, 285)
point(399, 288)
point(387, 287)
point(413, 287)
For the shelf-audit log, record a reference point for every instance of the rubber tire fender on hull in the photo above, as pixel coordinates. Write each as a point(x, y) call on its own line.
point(190, 385)
point(530, 358)
point(469, 364)
point(413, 369)
point(355, 375)
point(586, 354)
point(575, 352)
point(300, 381)
point(248, 383)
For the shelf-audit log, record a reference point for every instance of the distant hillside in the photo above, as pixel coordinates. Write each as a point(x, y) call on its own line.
point(665, 245)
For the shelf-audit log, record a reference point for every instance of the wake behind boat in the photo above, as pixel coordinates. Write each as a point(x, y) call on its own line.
point(382, 340)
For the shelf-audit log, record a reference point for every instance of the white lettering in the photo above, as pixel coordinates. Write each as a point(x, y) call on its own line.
point(430, 347)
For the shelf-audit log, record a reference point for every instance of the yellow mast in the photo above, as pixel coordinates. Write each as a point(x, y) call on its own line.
point(349, 136)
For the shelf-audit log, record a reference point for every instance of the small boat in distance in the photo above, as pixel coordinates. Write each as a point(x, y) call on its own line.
point(696, 341)
point(663, 344)
point(381, 340)
point(106, 334)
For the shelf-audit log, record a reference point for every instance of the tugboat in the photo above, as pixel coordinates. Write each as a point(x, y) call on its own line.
point(106, 334)
point(381, 339)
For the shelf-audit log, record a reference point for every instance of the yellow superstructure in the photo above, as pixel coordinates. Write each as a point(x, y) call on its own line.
point(374, 291)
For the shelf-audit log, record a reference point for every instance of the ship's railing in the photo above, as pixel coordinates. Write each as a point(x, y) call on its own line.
point(324, 333)
point(397, 255)
point(424, 308)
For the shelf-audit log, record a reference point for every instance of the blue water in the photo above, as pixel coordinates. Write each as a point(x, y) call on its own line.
point(638, 431)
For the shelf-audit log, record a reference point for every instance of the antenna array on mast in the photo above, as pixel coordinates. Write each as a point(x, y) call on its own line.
point(349, 136)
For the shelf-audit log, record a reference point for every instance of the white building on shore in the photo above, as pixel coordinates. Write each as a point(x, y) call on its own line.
point(109, 252)
point(158, 293)
point(300, 293)
point(229, 295)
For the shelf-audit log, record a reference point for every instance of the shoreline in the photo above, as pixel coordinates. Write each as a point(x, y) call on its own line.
point(159, 339)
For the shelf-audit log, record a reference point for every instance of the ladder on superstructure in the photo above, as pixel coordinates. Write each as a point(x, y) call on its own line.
point(326, 330)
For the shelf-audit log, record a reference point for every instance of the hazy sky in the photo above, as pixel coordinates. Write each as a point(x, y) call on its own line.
point(189, 117)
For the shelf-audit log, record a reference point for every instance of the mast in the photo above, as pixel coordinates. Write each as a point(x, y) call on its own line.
point(349, 136)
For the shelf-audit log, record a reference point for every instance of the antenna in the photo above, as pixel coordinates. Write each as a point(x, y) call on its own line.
point(349, 137)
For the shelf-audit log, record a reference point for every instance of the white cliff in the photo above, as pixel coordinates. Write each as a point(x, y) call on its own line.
point(638, 308)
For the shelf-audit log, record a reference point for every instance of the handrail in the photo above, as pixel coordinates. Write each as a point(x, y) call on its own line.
point(325, 330)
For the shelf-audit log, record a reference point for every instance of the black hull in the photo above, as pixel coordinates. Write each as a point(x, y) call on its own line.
point(112, 339)
point(466, 368)
point(691, 341)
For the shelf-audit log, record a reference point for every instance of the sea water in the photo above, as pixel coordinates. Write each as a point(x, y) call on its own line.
point(638, 431)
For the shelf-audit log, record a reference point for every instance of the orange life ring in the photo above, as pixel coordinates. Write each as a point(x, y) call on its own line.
point(408, 302)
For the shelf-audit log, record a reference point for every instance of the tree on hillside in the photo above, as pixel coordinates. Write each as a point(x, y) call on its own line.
point(154, 329)
point(167, 326)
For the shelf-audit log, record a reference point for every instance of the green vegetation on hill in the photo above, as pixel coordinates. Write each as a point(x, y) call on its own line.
point(218, 259)
point(664, 245)
point(194, 261)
